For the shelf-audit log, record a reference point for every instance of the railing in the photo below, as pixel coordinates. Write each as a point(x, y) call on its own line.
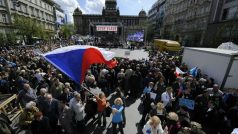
point(8, 107)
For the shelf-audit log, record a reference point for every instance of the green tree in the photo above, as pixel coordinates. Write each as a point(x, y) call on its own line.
point(67, 30)
point(28, 28)
point(3, 39)
point(11, 38)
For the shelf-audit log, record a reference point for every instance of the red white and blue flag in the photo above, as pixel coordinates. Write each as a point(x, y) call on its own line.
point(178, 71)
point(75, 60)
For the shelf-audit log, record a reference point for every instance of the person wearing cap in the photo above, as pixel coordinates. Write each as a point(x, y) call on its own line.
point(40, 124)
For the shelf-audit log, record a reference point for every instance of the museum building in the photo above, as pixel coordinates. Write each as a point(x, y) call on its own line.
point(110, 24)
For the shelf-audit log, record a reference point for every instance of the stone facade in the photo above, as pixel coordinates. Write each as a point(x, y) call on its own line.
point(223, 23)
point(86, 23)
point(156, 17)
point(186, 21)
point(42, 10)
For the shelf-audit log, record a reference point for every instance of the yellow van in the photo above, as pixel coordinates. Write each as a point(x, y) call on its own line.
point(167, 45)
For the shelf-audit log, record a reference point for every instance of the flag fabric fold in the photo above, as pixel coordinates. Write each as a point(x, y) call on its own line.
point(75, 60)
point(178, 71)
point(193, 71)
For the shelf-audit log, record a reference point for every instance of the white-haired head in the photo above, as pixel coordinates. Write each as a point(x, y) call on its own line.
point(30, 105)
point(67, 84)
point(43, 91)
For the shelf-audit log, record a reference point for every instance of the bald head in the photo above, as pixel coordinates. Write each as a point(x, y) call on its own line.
point(49, 97)
point(43, 91)
point(26, 86)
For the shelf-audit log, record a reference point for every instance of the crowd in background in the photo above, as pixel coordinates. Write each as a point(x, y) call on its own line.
point(54, 104)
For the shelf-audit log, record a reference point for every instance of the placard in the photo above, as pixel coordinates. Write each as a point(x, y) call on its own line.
point(187, 102)
point(153, 95)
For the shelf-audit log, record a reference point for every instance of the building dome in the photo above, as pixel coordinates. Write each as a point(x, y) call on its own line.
point(78, 11)
point(142, 13)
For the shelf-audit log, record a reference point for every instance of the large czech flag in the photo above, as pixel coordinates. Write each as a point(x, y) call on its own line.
point(75, 60)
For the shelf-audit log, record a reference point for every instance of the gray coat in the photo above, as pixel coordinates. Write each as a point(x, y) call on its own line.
point(65, 119)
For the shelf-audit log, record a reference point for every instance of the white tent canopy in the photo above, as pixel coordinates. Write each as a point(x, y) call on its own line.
point(229, 46)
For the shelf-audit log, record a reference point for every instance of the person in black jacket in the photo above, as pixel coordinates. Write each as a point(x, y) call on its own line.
point(41, 124)
point(146, 107)
point(66, 95)
point(53, 111)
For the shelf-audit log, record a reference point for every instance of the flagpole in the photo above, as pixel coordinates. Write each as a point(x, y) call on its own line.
point(93, 94)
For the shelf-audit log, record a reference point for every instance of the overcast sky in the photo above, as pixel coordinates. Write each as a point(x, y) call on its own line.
point(127, 7)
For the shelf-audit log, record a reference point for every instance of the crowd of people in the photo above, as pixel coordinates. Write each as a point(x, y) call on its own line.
point(53, 104)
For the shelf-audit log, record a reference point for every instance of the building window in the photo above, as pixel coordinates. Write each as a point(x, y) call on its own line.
point(227, 1)
point(37, 13)
point(42, 4)
point(2, 3)
point(23, 8)
point(12, 4)
point(230, 13)
point(4, 18)
point(44, 15)
point(41, 14)
point(45, 6)
point(31, 10)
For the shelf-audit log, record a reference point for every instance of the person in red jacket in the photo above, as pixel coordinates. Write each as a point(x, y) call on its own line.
point(102, 104)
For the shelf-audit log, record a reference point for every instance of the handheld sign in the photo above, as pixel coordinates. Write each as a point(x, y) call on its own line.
point(186, 102)
point(153, 95)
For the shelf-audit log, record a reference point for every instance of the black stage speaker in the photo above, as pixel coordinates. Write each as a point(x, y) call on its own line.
point(119, 31)
point(91, 31)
